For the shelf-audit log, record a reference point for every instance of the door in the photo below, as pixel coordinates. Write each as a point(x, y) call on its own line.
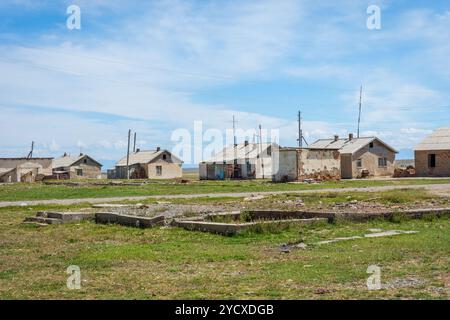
point(346, 166)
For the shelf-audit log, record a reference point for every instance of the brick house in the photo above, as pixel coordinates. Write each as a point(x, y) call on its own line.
point(432, 155)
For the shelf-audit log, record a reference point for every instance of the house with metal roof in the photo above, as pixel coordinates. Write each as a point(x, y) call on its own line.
point(333, 159)
point(240, 161)
point(76, 167)
point(360, 157)
point(432, 155)
point(148, 164)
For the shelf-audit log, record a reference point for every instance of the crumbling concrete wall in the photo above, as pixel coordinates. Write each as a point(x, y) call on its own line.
point(442, 164)
point(25, 170)
point(295, 164)
point(319, 164)
point(168, 170)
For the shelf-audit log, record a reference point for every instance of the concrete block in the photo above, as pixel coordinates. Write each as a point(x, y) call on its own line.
point(127, 220)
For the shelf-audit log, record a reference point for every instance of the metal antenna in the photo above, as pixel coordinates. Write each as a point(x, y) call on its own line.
point(30, 154)
point(300, 131)
point(128, 154)
point(360, 104)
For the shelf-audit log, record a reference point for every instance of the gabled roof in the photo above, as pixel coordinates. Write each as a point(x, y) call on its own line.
point(240, 152)
point(438, 140)
point(67, 161)
point(145, 156)
point(346, 146)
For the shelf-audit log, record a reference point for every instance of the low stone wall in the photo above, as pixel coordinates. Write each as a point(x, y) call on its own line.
point(127, 220)
point(236, 228)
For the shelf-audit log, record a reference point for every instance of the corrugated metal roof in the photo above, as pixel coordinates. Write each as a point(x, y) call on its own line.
point(241, 152)
point(145, 156)
point(67, 160)
point(345, 145)
point(438, 140)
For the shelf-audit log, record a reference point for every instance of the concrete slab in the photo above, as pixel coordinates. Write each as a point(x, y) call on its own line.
point(235, 228)
point(127, 220)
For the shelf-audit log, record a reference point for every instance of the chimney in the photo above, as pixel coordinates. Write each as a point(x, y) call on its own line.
point(336, 137)
point(137, 150)
point(158, 149)
point(350, 136)
point(246, 142)
point(65, 154)
point(81, 154)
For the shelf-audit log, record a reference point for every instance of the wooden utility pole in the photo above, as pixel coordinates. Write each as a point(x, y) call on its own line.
point(134, 144)
point(359, 114)
point(128, 155)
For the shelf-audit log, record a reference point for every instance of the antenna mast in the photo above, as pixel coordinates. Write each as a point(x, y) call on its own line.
point(300, 131)
point(30, 154)
point(360, 104)
point(128, 155)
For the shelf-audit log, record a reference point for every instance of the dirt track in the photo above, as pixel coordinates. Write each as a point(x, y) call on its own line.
point(439, 189)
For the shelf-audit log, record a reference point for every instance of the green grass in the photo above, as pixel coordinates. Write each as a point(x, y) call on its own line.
point(163, 263)
point(23, 191)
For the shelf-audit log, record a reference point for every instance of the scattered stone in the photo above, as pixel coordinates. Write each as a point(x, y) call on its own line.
point(254, 197)
point(301, 245)
point(322, 291)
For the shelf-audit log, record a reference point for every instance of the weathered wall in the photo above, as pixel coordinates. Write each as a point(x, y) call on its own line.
point(300, 164)
point(285, 169)
point(369, 157)
point(202, 171)
point(319, 164)
point(442, 168)
point(169, 170)
point(26, 169)
point(90, 169)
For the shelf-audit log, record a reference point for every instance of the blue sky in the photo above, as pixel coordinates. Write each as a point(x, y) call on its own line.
point(156, 66)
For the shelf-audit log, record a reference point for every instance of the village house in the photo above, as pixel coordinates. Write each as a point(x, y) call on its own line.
point(76, 167)
point(432, 155)
point(24, 169)
point(336, 158)
point(240, 161)
point(148, 164)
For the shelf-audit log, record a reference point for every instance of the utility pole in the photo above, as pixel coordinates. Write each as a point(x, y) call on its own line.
point(360, 104)
point(128, 155)
point(30, 154)
point(261, 150)
point(234, 131)
point(300, 131)
point(134, 144)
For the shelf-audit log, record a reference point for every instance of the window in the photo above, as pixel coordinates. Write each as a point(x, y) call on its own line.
point(382, 162)
point(431, 160)
point(359, 163)
point(371, 145)
point(79, 172)
point(158, 170)
point(85, 161)
point(164, 156)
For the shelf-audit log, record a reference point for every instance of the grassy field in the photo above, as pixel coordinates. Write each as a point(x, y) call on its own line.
point(164, 263)
point(36, 191)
